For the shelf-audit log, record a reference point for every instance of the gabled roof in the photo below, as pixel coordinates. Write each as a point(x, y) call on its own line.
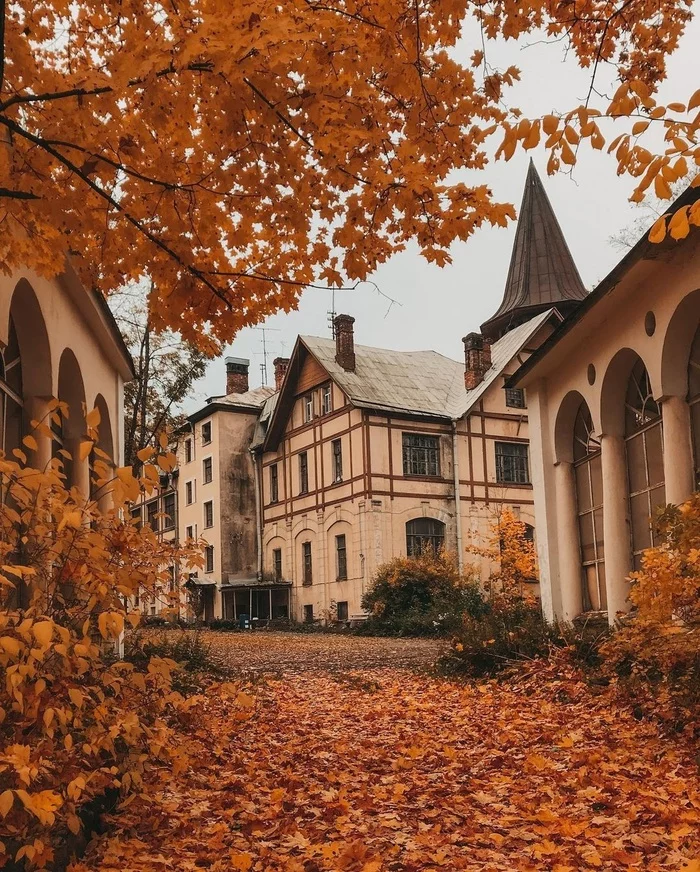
point(643, 249)
point(542, 272)
point(423, 384)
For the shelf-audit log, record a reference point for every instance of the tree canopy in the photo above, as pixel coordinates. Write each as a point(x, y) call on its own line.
point(236, 152)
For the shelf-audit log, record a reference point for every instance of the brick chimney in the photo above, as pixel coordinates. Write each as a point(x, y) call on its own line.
point(477, 359)
point(345, 342)
point(236, 375)
point(281, 365)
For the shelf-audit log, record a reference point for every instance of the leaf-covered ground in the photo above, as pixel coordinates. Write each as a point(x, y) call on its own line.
point(380, 769)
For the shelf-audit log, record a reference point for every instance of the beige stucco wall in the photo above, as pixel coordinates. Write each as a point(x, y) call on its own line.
point(593, 363)
point(59, 323)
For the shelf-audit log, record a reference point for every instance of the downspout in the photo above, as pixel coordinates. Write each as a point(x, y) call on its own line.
point(458, 501)
point(258, 509)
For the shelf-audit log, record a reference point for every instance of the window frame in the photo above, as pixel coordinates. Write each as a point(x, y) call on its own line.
point(274, 483)
point(303, 472)
point(326, 399)
point(189, 532)
point(207, 468)
point(189, 454)
point(337, 456)
point(415, 540)
point(515, 398)
point(169, 520)
point(277, 564)
point(206, 428)
point(307, 564)
point(420, 459)
point(209, 564)
point(341, 557)
point(190, 492)
point(308, 407)
point(520, 477)
point(152, 519)
point(208, 506)
point(346, 611)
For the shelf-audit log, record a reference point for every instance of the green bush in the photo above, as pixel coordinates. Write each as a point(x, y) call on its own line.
point(421, 595)
point(223, 624)
point(196, 665)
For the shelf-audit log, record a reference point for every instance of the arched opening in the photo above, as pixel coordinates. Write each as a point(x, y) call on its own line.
point(11, 394)
point(588, 477)
point(101, 461)
point(694, 402)
point(422, 534)
point(71, 430)
point(645, 460)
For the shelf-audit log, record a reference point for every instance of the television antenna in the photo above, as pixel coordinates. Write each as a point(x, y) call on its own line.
point(263, 365)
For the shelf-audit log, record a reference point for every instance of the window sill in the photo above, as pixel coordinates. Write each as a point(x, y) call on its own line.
point(307, 583)
point(514, 483)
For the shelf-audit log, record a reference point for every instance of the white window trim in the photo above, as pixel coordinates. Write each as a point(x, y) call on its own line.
point(204, 460)
point(211, 432)
point(193, 482)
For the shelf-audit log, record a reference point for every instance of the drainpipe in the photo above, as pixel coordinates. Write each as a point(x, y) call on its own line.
point(458, 502)
point(257, 466)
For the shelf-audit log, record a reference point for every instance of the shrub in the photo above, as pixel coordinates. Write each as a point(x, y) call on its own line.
point(77, 722)
point(419, 595)
point(655, 653)
point(223, 624)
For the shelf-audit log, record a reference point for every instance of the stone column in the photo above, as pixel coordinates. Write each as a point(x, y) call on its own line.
point(678, 449)
point(37, 409)
point(569, 545)
point(616, 530)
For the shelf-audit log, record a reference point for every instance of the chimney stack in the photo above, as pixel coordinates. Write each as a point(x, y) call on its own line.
point(477, 359)
point(345, 342)
point(281, 365)
point(236, 375)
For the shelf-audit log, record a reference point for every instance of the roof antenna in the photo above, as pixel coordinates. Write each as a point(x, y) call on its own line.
point(331, 314)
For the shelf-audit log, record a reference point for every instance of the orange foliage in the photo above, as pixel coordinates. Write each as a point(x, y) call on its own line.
point(348, 769)
point(512, 553)
point(76, 721)
point(239, 151)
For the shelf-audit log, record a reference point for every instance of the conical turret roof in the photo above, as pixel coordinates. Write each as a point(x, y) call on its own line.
point(542, 272)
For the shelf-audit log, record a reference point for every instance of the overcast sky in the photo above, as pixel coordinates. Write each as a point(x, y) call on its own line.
point(435, 307)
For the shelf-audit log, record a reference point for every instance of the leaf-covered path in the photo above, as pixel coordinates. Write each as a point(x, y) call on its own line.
point(385, 769)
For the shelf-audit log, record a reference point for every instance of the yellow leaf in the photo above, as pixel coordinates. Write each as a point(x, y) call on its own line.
point(658, 231)
point(676, 107)
point(7, 799)
point(640, 127)
point(30, 442)
point(549, 124)
point(10, 645)
point(76, 697)
point(85, 449)
point(240, 862)
point(678, 226)
point(694, 101)
point(73, 824)
point(43, 632)
point(567, 154)
point(93, 417)
point(145, 454)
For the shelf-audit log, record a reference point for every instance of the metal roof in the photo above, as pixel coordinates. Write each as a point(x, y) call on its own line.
point(417, 382)
point(542, 271)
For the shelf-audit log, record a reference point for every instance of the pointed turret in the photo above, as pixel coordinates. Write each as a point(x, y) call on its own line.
point(542, 272)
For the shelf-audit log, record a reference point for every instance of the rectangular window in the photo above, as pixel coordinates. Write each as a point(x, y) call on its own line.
point(188, 451)
point(189, 532)
point(277, 564)
point(308, 408)
point(326, 400)
point(209, 558)
point(306, 556)
point(421, 455)
point(511, 463)
point(206, 433)
point(207, 470)
point(337, 460)
point(341, 558)
point(171, 582)
point(189, 493)
point(343, 611)
point(136, 515)
point(274, 484)
point(169, 511)
point(303, 473)
point(151, 512)
point(209, 514)
point(308, 614)
point(515, 398)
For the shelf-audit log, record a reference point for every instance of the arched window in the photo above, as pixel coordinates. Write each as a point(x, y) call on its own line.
point(645, 459)
point(694, 401)
point(589, 508)
point(423, 533)
point(10, 394)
